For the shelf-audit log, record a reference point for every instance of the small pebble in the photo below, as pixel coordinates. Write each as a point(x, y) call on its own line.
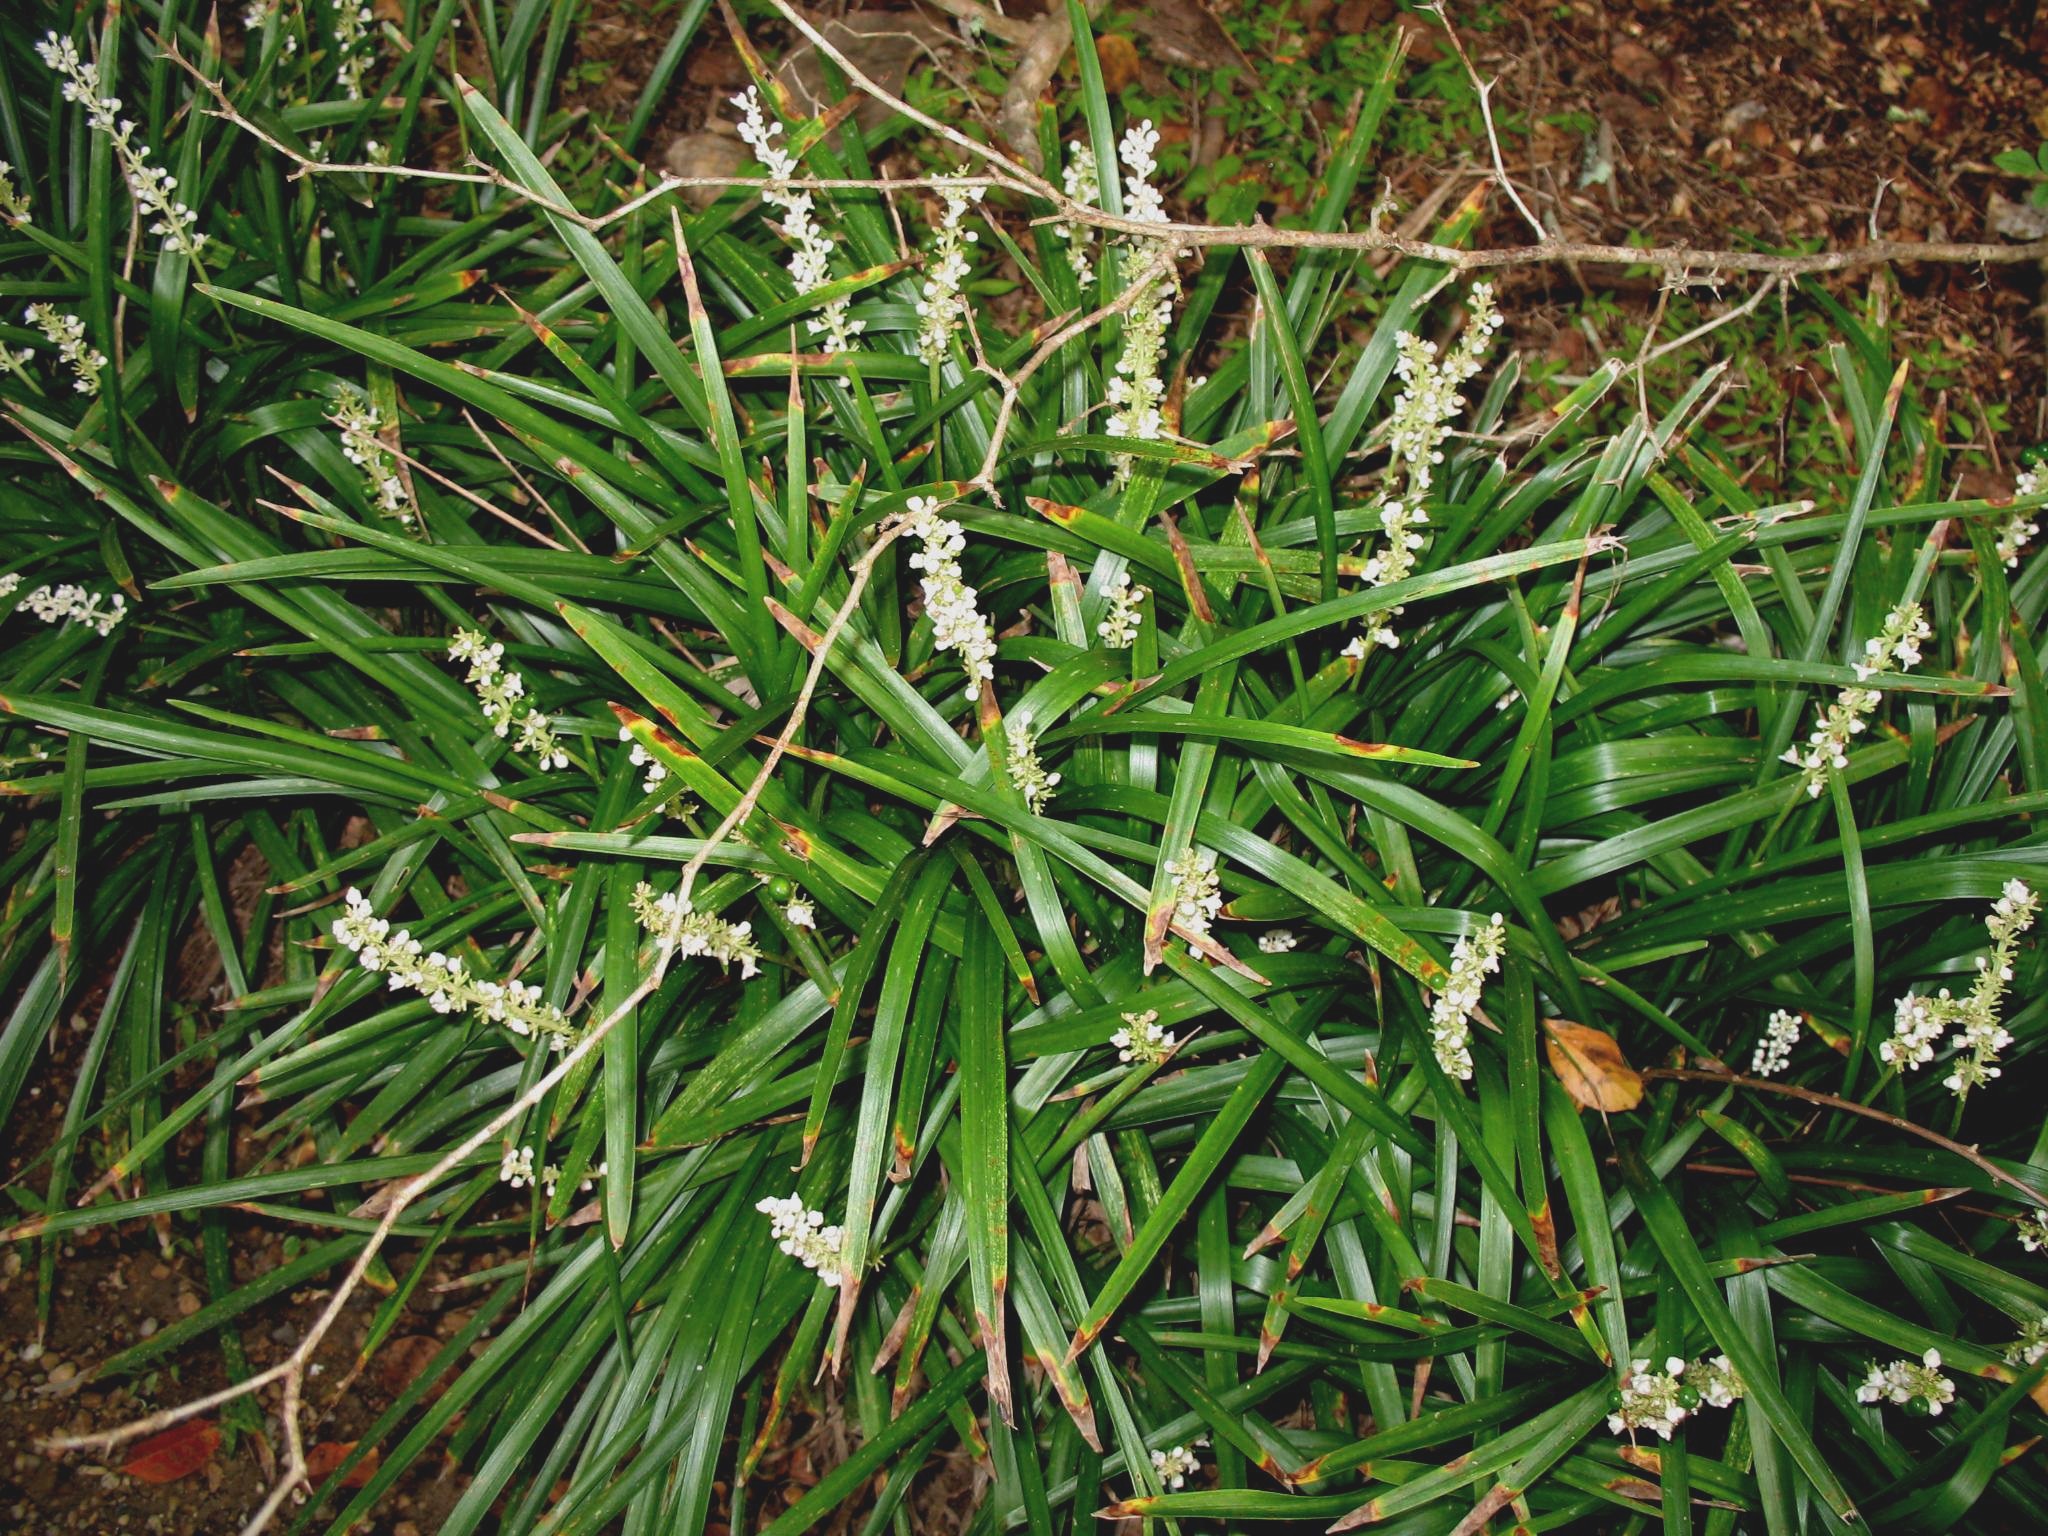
point(188, 1303)
point(33, 1351)
point(148, 1327)
point(62, 1372)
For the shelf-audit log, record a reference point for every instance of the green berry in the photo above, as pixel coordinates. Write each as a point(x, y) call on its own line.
point(1688, 1398)
point(2034, 457)
point(780, 888)
point(1916, 1408)
point(1614, 1400)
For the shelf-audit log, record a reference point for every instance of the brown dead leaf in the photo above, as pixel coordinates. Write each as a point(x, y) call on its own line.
point(1119, 57)
point(1591, 1067)
point(322, 1459)
point(178, 1452)
point(400, 1362)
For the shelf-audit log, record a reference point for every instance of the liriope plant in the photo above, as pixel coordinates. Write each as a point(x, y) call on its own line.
point(1239, 922)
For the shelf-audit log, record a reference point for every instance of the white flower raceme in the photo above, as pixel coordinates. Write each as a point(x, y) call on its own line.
point(957, 623)
point(944, 305)
point(67, 334)
point(1895, 648)
point(502, 693)
point(355, 44)
point(13, 204)
point(1276, 941)
point(1420, 421)
point(1119, 626)
point(1026, 771)
point(1908, 1381)
point(1143, 1039)
point(68, 604)
point(1084, 185)
point(153, 188)
point(1197, 892)
point(360, 424)
point(1473, 958)
point(1717, 1383)
point(680, 929)
point(2019, 529)
point(1781, 1033)
point(1919, 1023)
point(551, 1177)
point(9, 583)
point(801, 1233)
point(444, 979)
point(810, 260)
point(2033, 1232)
point(1137, 393)
point(1176, 1464)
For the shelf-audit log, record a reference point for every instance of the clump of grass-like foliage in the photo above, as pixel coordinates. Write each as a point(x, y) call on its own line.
point(1223, 916)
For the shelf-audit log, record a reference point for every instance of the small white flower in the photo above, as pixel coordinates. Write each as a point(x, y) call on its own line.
point(680, 929)
point(1142, 1039)
point(1175, 1465)
point(800, 913)
point(1119, 626)
point(1473, 958)
point(1026, 772)
point(68, 604)
point(516, 1167)
point(2033, 1232)
point(1276, 941)
point(951, 605)
point(1781, 1033)
point(810, 261)
point(1895, 648)
point(1650, 1400)
point(1904, 1380)
point(801, 1233)
point(67, 334)
point(1197, 892)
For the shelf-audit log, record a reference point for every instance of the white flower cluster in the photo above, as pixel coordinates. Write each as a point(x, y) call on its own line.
point(1276, 941)
point(1920, 1022)
point(1660, 1401)
point(444, 979)
point(802, 912)
point(944, 306)
point(1143, 1039)
point(1084, 186)
point(1138, 392)
point(258, 13)
point(957, 624)
point(9, 583)
point(355, 44)
point(501, 692)
point(1197, 892)
point(1894, 648)
point(13, 204)
point(2033, 1232)
point(1026, 771)
point(1176, 1464)
point(640, 757)
point(2020, 529)
point(1473, 958)
point(153, 188)
point(516, 1168)
point(810, 259)
point(802, 1234)
point(1908, 1383)
point(680, 929)
point(360, 424)
point(67, 334)
point(1781, 1033)
point(1420, 421)
point(68, 604)
point(1119, 626)
point(2031, 1347)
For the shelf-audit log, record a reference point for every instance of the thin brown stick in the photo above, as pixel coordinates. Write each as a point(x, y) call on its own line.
point(1850, 1107)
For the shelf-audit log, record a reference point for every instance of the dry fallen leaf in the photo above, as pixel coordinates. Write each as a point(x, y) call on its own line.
point(322, 1459)
point(1591, 1067)
point(178, 1452)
